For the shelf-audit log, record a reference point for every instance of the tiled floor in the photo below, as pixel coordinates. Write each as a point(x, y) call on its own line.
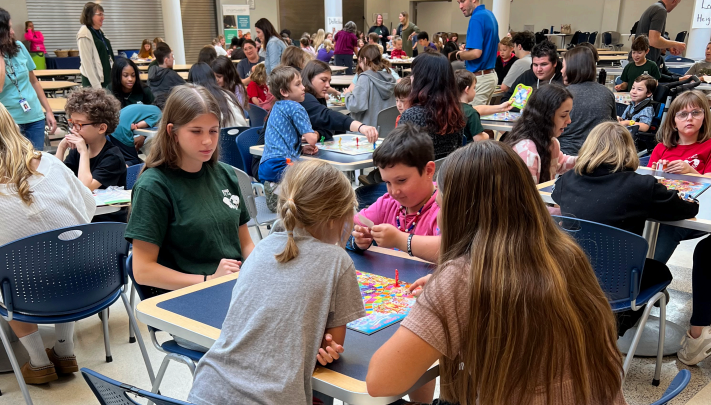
point(128, 365)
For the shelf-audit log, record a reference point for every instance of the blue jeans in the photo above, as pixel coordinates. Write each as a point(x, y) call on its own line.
point(34, 131)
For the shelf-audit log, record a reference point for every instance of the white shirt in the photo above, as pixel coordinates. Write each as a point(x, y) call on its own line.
point(220, 51)
point(59, 200)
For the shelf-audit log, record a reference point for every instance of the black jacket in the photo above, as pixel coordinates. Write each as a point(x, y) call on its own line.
point(622, 199)
point(162, 80)
point(501, 70)
point(324, 120)
point(528, 78)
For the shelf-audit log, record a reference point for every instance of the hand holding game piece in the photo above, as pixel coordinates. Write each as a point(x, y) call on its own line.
point(365, 221)
point(416, 287)
point(362, 237)
point(388, 236)
point(678, 167)
point(506, 106)
point(329, 350)
point(370, 133)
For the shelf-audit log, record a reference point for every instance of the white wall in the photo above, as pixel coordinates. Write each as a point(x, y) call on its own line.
point(18, 13)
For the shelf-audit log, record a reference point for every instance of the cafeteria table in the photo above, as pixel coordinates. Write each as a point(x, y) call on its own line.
point(56, 72)
point(340, 161)
point(196, 313)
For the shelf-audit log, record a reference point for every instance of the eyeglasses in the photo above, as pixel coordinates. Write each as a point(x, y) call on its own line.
point(682, 115)
point(79, 126)
point(99, 14)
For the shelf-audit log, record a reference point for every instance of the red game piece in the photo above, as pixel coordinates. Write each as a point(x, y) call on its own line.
point(356, 142)
point(397, 276)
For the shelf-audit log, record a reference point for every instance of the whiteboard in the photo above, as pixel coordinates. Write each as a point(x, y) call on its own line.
point(702, 14)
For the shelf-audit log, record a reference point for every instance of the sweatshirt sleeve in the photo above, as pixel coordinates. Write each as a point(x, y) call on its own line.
point(323, 117)
point(357, 101)
point(527, 151)
point(666, 205)
point(86, 54)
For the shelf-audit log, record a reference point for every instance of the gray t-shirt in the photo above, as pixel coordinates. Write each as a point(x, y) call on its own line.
point(654, 18)
point(700, 69)
point(593, 104)
point(267, 349)
point(244, 67)
point(517, 69)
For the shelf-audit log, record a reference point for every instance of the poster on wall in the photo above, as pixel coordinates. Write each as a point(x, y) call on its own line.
point(235, 20)
point(702, 14)
point(337, 23)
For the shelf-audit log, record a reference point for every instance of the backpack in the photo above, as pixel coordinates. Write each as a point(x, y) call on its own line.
point(633, 31)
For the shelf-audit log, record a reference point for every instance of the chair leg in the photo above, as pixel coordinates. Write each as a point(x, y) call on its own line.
point(637, 337)
point(259, 232)
point(107, 345)
point(161, 373)
point(131, 335)
point(662, 333)
point(141, 344)
point(15, 366)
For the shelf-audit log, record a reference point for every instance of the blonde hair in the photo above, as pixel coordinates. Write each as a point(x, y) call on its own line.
point(185, 103)
point(16, 154)
point(259, 75)
point(405, 15)
point(328, 45)
point(668, 134)
point(610, 144)
point(314, 193)
point(295, 57)
point(318, 39)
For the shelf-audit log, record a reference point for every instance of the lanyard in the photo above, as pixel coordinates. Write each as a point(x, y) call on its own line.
point(414, 221)
point(101, 37)
point(10, 70)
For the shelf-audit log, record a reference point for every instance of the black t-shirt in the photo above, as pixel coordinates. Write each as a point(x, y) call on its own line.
point(244, 67)
point(109, 169)
point(654, 18)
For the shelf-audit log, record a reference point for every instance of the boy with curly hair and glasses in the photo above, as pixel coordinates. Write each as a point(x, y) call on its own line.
point(97, 162)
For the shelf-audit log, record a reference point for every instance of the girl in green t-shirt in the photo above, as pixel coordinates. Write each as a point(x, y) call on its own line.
point(189, 222)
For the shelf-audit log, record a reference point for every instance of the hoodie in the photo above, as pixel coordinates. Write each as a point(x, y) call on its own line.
point(372, 94)
point(162, 80)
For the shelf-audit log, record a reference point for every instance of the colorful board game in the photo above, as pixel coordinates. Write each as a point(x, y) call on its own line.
point(520, 96)
point(504, 116)
point(384, 302)
point(686, 188)
point(348, 144)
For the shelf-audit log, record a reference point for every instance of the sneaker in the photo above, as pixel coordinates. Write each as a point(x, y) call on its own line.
point(695, 350)
point(38, 375)
point(64, 365)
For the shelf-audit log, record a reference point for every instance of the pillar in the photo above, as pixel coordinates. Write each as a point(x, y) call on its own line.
point(173, 26)
point(700, 32)
point(333, 12)
point(502, 11)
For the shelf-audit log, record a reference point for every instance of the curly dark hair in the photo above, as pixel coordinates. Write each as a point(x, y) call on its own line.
point(536, 123)
point(98, 105)
point(435, 89)
point(8, 46)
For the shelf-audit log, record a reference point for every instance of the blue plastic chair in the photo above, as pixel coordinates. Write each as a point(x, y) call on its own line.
point(246, 140)
point(172, 350)
point(112, 392)
point(228, 148)
point(132, 175)
point(257, 116)
point(618, 258)
point(675, 388)
point(678, 59)
point(63, 276)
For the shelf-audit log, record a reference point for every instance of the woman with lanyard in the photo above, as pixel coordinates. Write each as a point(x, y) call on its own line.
point(95, 50)
point(21, 92)
point(381, 30)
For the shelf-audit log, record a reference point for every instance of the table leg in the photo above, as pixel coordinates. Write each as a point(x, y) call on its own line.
point(651, 229)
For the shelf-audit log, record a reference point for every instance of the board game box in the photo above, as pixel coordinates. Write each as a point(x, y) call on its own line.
point(385, 302)
point(504, 116)
point(686, 188)
point(348, 144)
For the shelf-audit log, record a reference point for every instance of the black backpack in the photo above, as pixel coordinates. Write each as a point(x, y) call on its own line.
point(633, 31)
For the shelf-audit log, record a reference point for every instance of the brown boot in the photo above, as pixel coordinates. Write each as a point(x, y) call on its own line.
point(38, 375)
point(64, 365)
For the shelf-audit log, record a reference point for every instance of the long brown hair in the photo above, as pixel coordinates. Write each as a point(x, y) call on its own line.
point(143, 53)
point(185, 103)
point(311, 70)
point(314, 193)
point(580, 65)
point(669, 134)
point(373, 59)
point(531, 292)
point(16, 154)
point(295, 57)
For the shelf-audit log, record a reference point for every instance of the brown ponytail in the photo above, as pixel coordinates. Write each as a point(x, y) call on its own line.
point(313, 194)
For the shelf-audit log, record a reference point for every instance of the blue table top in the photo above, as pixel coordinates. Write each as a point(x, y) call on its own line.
point(359, 347)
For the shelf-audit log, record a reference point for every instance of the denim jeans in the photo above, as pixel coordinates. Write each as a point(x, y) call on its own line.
point(34, 131)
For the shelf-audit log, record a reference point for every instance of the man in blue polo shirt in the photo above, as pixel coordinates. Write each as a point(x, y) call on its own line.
point(481, 47)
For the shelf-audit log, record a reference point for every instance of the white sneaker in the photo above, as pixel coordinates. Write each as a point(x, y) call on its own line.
point(695, 350)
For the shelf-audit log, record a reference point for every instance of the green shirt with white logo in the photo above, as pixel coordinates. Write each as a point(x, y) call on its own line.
point(193, 217)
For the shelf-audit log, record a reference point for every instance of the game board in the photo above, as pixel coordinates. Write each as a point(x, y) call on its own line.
point(347, 144)
point(384, 303)
point(505, 116)
point(686, 188)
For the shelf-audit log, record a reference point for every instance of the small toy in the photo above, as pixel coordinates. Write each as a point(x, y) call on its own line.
point(356, 138)
point(397, 278)
point(323, 140)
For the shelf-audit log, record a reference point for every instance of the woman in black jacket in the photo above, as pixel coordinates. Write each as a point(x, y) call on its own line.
point(316, 77)
point(605, 188)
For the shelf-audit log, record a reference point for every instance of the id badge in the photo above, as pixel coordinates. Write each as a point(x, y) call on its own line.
point(25, 105)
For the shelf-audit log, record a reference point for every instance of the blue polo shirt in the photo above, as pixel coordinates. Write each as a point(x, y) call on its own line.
point(483, 33)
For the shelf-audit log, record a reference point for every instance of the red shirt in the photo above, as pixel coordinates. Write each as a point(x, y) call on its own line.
point(698, 155)
point(255, 90)
point(397, 53)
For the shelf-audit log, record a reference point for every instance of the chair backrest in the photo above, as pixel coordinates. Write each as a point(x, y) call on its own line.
point(575, 39)
point(617, 256)
point(680, 59)
point(245, 185)
point(584, 36)
point(257, 115)
point(438, 164)
point(245, 140)
point(681, 37)
point(607, 38)
point(228, 147)
point(112, 392)
point(132, 175)
point(64, 271)
point(593, 38)
point(386, 121)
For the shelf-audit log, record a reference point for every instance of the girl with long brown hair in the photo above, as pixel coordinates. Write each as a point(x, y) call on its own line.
point(174, 243)
point(508, 311)
point(38, 193)
point(146, 51)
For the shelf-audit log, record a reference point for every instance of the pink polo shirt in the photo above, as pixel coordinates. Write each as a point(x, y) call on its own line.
point(386, 209)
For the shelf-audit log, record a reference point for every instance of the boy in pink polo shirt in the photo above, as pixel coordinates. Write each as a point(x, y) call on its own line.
point(406, 163)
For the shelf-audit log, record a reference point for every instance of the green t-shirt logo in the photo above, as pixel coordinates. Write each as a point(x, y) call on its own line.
point(230, 200)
